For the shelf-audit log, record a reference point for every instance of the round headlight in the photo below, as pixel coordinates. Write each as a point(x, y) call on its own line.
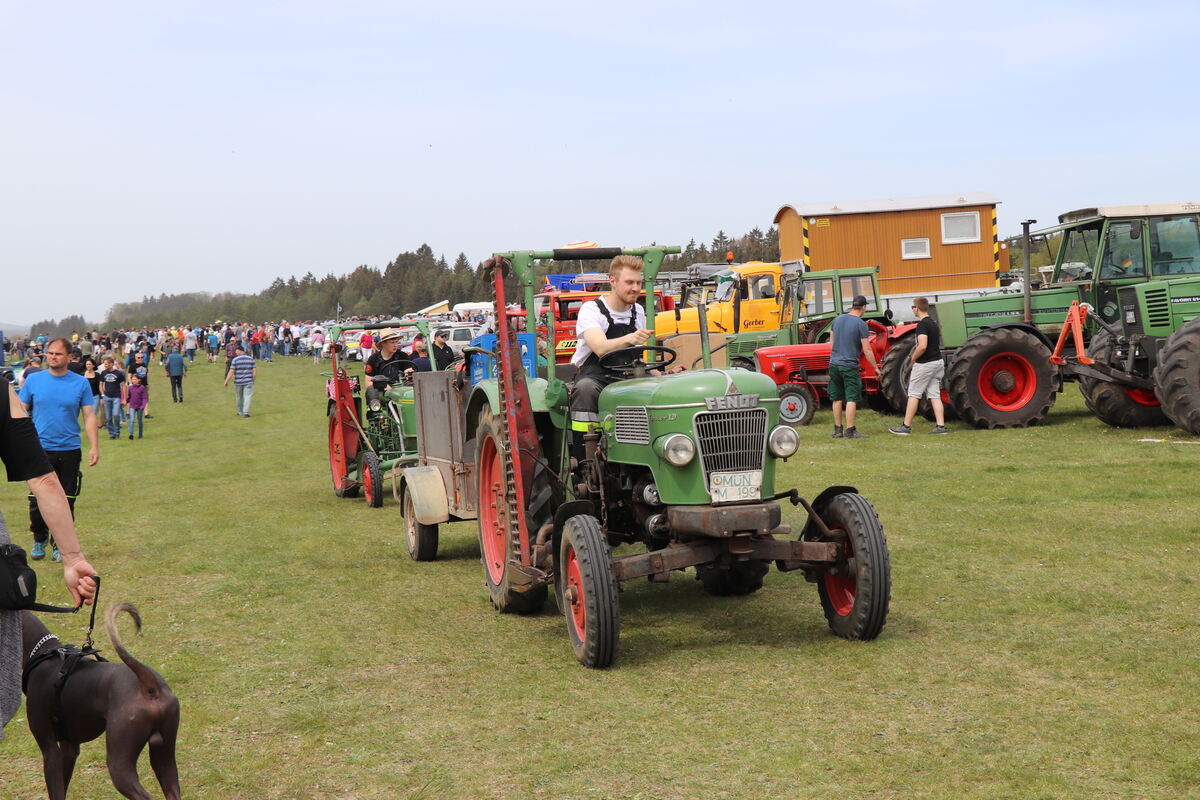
point(677, 448)
point(784, 441)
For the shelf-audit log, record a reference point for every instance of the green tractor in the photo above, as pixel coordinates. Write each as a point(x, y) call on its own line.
point(366, 441)
point(1137, 271)
point(682, 467)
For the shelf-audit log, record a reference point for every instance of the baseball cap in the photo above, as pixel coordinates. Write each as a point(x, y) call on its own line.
point(859, 301)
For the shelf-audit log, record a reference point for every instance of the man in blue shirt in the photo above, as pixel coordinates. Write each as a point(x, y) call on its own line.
point(54, 397)
point(850, 339)
point(176, 368)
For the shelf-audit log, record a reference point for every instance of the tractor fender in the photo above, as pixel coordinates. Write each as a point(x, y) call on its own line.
point(486, 393)
point(819, 504)
point(564, 512)
point(430, 503)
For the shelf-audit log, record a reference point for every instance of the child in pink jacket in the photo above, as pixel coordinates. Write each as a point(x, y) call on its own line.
point(136, 404)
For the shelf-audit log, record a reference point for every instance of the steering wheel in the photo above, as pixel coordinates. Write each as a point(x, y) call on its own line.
point(635, 367)
point(393, 371)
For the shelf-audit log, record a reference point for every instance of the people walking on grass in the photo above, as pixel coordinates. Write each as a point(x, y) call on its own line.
point(849, 340)
point(92, 375)
point(317, 344)
point(136, 401)
point(366, 346)
point(213, 344)
point(113, 394)
point(243, 371)
point(176, 369)
point(54, 398)
point(928, 368)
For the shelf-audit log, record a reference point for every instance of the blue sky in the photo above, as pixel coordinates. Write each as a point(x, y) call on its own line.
point(157, 147)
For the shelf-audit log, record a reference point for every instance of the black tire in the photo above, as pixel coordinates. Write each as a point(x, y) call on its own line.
point(855, 593)
point(496, 544)
point(894, 371)
point(589, 592)
point(741, 362)
point(740, 578)
point(422, 539)
point(796, 404)
point(1116, 405)
point(1177, 377)
point(371, 479)
point(1002, 378)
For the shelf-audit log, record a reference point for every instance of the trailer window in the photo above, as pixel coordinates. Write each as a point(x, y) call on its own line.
point(858, 284)
point(1078, 253)
point(1123, 256)
point(1175, 245)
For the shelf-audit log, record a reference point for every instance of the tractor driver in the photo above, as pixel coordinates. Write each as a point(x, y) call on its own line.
point(608, 323)
point(386, 355)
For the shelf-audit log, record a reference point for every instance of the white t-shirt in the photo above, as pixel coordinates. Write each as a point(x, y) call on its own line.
point(590, 317)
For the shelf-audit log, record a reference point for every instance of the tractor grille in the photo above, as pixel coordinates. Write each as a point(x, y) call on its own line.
point(816, 362)
point(1158, 308)
point(632, 425)
point(732, 441)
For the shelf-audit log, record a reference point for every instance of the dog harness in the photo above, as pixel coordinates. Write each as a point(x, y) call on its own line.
point(71, 657)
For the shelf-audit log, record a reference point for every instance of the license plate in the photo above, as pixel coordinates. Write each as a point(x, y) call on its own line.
point(730, 487)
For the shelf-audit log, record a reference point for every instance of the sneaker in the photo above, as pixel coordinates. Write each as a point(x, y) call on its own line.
point(38, 552)
point(852, 433)
point(837, 432)
point(901, 429)
point(131, 437)
point(149, 417)
point(939, 429)
point(55, 555)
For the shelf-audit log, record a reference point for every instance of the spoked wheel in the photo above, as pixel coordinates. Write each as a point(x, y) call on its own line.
point(855, 592)
point(588, 592)
point(371, 477)
point(497, 545)
point(740, 578)
point(339, 442)
point(796, 404)
point(422, 539)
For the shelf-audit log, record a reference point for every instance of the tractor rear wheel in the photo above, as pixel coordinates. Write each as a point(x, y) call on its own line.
point(855, 591)
point(740, 578)
point(588, 592)
point(497, 544)
point(1114, 404)
point(343, 486)
point(371, 477)
point(1002, 378)
point(796, 404)
point(1177, 377)
point(422, 539)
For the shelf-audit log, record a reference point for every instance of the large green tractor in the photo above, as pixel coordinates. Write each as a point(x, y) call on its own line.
point(1138, 271)
point(682, 467)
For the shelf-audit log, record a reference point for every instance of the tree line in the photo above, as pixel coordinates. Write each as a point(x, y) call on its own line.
point(412, 280)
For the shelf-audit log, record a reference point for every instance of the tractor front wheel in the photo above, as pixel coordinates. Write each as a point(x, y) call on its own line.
point(796, 404)
point(1002, 378)
point(422, 539)
point(497, 543)
point(371, 476)
point(588, 592)
point(1177, 377)
point(855, 591)
point(1114, 404)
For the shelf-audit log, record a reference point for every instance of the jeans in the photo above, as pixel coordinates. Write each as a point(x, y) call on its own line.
point(268, 350)
point(191, 354)
point(112, 416)
point(242, 392)
point(176, 386)
point(287, 349)
point(135, 416)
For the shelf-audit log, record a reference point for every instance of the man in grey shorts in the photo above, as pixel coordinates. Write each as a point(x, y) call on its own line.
point(925, 379)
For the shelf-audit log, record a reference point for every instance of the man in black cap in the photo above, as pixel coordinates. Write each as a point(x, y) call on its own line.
point(443, 354)
point(850, 339)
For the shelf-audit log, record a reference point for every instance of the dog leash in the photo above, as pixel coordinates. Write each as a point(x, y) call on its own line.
point(87, 644)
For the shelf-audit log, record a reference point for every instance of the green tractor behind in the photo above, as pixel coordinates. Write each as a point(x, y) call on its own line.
point(681, 466)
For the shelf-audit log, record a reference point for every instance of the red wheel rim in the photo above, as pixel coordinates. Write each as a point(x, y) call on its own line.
point(492, 525)
point(337, 458)
point(1007, 382)
point(839, 590)
point(1143, 397)
point(578, 614)
point(368, 484)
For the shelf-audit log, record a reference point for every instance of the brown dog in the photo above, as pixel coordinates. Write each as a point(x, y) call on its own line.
point(130, 700)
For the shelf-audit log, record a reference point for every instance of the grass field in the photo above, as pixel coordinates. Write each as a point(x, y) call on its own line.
point(1042, 643)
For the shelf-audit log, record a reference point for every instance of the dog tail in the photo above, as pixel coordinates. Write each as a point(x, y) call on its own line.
point(146, 676)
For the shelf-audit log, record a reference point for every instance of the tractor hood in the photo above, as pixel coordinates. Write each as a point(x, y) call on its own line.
point(686, 389)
